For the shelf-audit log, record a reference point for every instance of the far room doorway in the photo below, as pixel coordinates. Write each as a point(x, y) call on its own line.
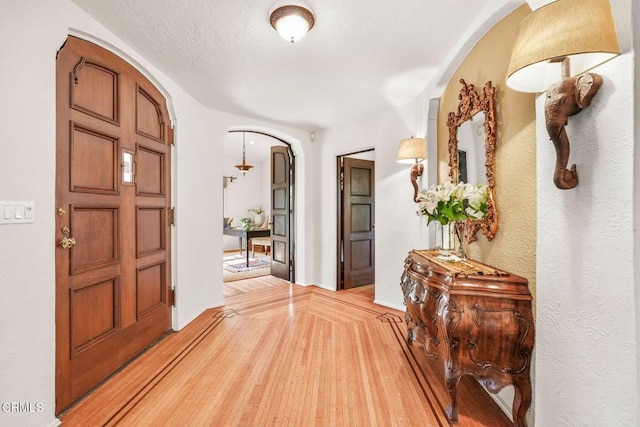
point(258, 207)
point(356, 219)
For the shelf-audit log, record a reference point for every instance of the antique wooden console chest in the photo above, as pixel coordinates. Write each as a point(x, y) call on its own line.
point(474, 318)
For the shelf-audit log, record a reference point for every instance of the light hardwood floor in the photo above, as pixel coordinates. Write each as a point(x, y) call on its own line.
point(285, 355)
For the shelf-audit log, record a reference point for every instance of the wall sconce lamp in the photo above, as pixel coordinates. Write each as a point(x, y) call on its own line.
point(226, 180)
point(563, 39)
point(292, 22)
point(413, 150)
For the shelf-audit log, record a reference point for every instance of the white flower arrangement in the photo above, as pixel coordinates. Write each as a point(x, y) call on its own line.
point(448, 202)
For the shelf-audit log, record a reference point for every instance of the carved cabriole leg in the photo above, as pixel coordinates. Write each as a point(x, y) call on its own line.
point(452, 386)
point(411, 334)
point(521, 400)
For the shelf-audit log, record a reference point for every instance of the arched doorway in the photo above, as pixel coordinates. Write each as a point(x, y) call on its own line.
point(267, 184)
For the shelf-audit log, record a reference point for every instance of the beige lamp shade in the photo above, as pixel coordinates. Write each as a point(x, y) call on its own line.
point(412, 150)
point(581, 30)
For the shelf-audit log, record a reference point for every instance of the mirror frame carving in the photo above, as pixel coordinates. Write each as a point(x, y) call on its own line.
point(472, 102)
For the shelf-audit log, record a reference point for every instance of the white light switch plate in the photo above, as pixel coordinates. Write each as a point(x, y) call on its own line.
point(17, 212)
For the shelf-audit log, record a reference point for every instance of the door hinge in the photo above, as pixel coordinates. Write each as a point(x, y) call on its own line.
point(172, 216)
point(172, 297)
point(172, 139)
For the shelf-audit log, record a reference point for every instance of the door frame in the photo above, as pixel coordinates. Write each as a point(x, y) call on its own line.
point(340, 214)
point(292, 189)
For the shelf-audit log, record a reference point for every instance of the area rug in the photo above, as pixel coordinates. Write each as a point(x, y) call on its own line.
point(235, 267)
point(238, 264)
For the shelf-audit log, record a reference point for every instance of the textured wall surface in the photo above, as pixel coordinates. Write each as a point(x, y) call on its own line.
point(513, 248)
point(33, 31)
point(587, 347)
point(586, 313)
point(397, 227)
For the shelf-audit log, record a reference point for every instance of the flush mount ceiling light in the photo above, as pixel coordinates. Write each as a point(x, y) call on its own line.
point(292, 22)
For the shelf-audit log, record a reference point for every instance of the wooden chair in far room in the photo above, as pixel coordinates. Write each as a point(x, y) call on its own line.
point(265, 242)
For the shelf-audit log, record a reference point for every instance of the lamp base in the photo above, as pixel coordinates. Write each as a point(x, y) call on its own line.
point(567, 98)
point(416, 171)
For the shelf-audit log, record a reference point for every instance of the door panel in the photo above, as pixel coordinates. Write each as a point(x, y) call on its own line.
point(95, 229)
point(361, 218)
point(93, 313)
point(112, 284)
point(150, 172)
point(95, 91)
point(360, 255)
point(149, 117)
point(150, 226)
point(280, 213)
point(150, 287)
point(94, 161)
point(358, 223)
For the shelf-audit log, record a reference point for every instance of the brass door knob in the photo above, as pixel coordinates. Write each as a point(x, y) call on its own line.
point(67, 241)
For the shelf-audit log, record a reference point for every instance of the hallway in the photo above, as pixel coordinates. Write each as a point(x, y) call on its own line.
point(285, 355)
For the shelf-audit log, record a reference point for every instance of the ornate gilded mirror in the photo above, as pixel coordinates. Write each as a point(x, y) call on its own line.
point(472, 128)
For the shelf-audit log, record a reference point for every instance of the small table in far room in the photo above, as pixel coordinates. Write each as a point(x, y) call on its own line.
point(246, 235)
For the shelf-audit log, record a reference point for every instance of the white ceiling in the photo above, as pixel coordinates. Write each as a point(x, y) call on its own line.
point(360, 56)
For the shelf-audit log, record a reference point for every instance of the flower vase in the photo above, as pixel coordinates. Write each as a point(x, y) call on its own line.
point(458, 236)
point(447, 236)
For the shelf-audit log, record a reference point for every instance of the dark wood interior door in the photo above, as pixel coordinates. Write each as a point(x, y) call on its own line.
point(281, 265)
point(113, 264)
point(358, 223)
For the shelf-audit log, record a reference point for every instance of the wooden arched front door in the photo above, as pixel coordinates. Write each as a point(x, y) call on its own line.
point(113, 264)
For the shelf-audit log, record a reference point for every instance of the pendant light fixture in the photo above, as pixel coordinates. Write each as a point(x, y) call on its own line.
point(292, 22)
point(244, 167)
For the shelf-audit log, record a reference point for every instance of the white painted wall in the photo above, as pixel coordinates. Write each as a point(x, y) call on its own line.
point(199, 218)
point(398, 228)
point(635, 14)
point(587, 342)
point(199, 209)
point(27, 268)
point(31, 32)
